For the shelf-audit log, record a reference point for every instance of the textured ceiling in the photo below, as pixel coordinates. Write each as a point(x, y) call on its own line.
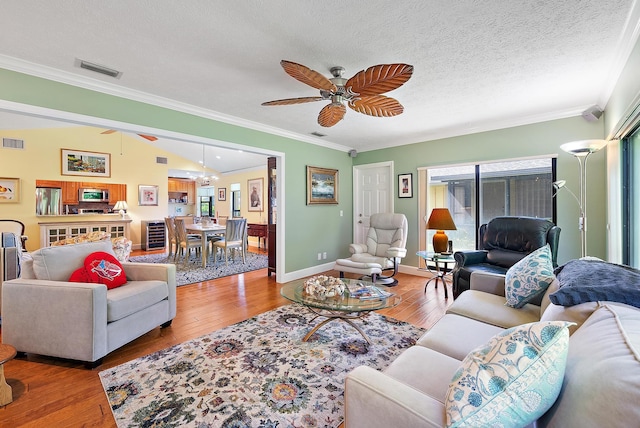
point(479, 65)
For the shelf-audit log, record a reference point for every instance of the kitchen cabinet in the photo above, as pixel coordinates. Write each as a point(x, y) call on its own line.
point(49, 183)
point(70, 192)
point(181, 187)
point(117, 192)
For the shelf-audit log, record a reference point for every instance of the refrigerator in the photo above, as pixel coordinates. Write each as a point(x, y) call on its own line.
point(48, 201)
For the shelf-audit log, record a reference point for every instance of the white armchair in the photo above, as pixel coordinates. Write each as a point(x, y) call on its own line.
point(43, 313)
point(385, 246)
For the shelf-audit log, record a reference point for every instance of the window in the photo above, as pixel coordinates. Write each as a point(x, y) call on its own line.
point(477, 193)
point(631, 199)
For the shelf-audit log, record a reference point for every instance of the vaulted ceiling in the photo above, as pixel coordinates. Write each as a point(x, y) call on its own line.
point(477, 65)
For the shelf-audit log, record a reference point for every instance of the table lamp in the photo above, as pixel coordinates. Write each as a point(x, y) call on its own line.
point(440, 220)
point(121, 206)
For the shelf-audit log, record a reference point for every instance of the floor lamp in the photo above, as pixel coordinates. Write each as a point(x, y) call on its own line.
point(581, 150)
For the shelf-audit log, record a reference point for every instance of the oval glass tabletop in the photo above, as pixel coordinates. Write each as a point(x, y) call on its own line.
point(358, 296)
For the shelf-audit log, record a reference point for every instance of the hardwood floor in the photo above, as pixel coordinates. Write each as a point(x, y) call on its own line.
point(49, 392)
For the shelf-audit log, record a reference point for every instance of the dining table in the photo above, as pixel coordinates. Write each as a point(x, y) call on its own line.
point(204, 231)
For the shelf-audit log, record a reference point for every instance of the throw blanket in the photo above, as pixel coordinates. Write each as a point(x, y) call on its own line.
point(583, 281)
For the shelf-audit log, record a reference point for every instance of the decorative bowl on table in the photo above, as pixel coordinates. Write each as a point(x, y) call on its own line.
point(323, 286)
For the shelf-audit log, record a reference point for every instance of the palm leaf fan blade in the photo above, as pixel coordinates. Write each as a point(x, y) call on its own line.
point(331, 114)
point(307, 76)
point(290, 101)
point(377, 105)
point(378, 79)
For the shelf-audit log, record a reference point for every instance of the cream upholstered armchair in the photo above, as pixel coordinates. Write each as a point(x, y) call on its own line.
point(384, 247)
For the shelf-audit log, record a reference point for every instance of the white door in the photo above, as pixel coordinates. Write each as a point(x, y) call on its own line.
point(372, 193)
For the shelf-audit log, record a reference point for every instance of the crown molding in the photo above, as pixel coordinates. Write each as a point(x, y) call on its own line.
point(60, 76)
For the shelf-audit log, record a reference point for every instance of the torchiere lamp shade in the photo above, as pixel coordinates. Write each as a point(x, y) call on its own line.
point(440, 220)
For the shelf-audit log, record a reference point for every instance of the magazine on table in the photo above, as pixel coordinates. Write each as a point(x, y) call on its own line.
point(369, 292)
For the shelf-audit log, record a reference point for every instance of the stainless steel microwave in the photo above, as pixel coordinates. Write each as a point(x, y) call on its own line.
point(93, 195)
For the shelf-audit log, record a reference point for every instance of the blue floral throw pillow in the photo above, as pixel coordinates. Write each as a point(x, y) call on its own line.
point(529, 277)
point(512, 380)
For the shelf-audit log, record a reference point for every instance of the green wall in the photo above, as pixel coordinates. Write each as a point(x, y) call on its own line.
point(313, 229)
point(309, 229)
point(522, 141)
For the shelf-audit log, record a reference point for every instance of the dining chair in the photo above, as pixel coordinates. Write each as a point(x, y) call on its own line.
point(171, 235)
point(234, 239)
point(186, 242)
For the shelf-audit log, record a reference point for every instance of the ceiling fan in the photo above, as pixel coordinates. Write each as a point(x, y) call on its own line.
point(146, 137)
point(362, 93)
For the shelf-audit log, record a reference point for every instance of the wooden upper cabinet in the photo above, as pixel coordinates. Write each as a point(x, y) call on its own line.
point(70, 192)
point(173, 185)
point(48, 183)
point(191, 192)
point(117, 192)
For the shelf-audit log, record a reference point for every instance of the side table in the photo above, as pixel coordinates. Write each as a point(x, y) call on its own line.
point(7, 352)
point(441, 263)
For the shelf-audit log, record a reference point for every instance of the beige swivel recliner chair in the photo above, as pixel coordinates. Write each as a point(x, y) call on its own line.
point(385, 246)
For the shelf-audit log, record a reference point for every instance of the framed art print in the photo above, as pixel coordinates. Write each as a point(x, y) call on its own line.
point(322, 185)
point(9, 190)
point(255, 190)
point(222, 194)
point(147, 195)
point(87, 164)
point(405, 185)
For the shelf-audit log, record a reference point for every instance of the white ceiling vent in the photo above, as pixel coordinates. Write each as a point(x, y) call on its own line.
point(98, 68)
point(161, 160)
point(12, 143)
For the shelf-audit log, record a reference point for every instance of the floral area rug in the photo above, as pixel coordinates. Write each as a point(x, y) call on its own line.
point(257, 373)
point(192, 271)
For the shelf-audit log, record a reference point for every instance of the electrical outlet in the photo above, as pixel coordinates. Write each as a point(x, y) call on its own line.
point(324, 256)
point(319, 256)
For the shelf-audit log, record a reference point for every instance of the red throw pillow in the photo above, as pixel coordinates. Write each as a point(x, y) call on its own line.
point(80, 275)
point(104, 268)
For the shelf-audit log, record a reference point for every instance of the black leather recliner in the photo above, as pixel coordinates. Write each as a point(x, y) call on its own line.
point(502, 243)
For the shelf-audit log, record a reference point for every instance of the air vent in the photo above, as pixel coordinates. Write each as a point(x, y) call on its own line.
point(318, 134)
point(161, 160)
point(98, 68)
point(12, 143)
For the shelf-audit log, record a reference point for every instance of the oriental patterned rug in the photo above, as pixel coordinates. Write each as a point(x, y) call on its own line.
point(257, 373)
point(192, 271)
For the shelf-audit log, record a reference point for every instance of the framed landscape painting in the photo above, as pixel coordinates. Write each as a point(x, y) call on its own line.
point(9, 190)
point(322, 185)
point(147, 195)
point(87, 164)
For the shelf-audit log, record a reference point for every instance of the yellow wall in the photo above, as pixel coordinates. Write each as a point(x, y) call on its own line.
point(133, 162)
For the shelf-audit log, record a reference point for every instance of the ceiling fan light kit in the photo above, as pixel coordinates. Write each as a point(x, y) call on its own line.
point(362, 93)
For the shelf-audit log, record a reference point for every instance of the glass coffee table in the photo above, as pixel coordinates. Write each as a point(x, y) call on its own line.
point(346, 307)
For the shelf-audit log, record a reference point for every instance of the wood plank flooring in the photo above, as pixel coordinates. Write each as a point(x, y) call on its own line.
point(49, 392)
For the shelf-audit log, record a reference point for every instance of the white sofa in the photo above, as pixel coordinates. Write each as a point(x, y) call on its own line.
point(43, 313)
point(601, 384)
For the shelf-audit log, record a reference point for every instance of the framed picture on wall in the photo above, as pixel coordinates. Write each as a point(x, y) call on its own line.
point(9, 190)
point(222, 194)
point(322, 185)
point(147, 195)
point(405, 185)
point(88, 164)
point(256, 195)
